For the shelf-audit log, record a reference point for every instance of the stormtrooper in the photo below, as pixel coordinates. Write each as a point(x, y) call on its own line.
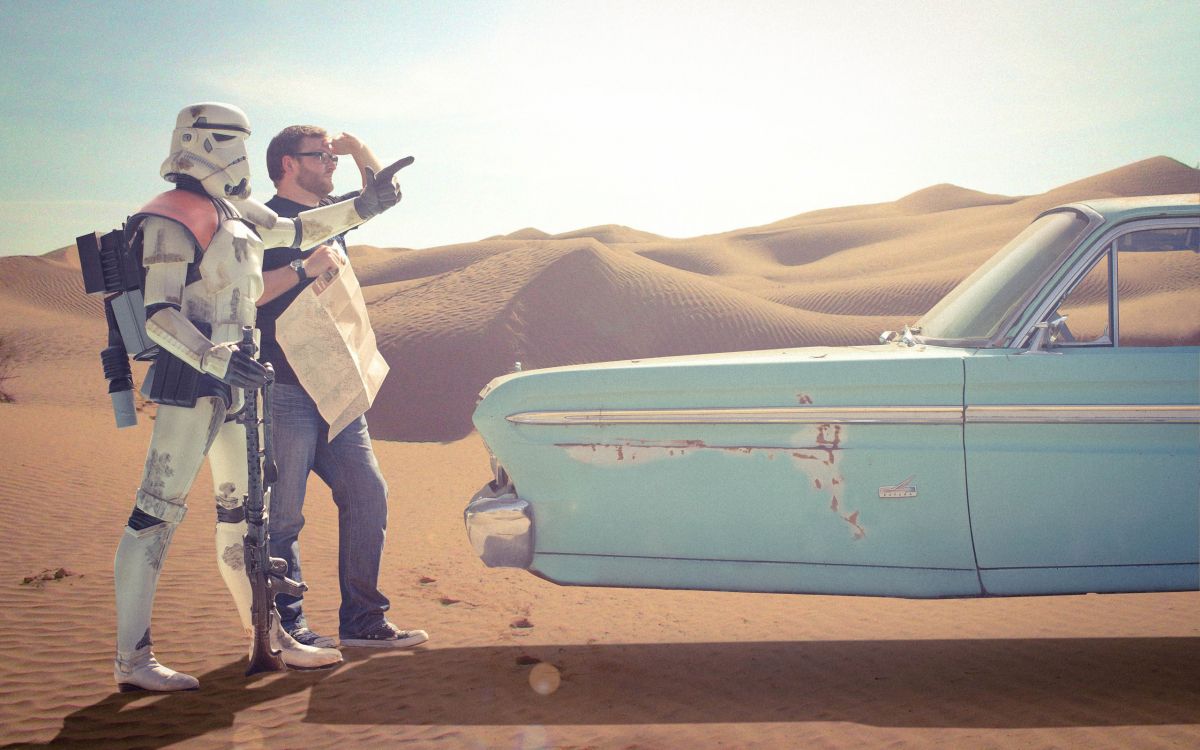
point(202, 246)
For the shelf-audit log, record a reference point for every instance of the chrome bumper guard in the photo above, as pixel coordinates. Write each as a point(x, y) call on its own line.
point(500, 527)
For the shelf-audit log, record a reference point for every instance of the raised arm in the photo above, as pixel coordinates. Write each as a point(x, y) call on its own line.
point(347, 144)
point(380, 192)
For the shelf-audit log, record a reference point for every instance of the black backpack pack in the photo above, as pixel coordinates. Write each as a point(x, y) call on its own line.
point(112, 266)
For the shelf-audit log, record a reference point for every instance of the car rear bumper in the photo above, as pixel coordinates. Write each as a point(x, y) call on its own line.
point(500, 527)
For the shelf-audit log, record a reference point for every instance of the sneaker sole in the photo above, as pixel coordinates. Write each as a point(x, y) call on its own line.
point(315, 669)
point(129, 687)
point(409, 642)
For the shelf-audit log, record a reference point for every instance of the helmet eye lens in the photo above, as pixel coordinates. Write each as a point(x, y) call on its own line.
point(221, 137)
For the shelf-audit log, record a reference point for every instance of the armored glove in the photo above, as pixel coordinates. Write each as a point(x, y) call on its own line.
point(381, 191)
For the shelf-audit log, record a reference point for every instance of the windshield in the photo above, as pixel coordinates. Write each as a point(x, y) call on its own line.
point(979, 307)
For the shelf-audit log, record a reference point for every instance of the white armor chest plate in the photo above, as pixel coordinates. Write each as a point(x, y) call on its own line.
point(230, 281)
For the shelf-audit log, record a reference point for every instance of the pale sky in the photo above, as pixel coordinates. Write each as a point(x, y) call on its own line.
point(679, 118)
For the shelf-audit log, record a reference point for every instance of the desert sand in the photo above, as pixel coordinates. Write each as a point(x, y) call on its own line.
point(639, 669)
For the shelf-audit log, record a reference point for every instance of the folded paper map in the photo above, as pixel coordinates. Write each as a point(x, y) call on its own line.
point(328, 340)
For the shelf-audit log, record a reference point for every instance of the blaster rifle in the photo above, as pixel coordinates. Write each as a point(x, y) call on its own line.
point(267, 574)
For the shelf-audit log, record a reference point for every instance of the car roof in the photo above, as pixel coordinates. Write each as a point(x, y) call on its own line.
point(1143, 206)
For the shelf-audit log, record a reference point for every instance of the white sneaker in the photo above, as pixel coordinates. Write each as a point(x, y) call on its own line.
point(386, 635)
point(141, 671)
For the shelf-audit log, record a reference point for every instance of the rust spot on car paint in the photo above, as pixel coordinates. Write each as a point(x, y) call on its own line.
point(628, 449)
point(852, 519)
point(829, 439)
point(830, 435)
point(817, 461)
point(803, 398)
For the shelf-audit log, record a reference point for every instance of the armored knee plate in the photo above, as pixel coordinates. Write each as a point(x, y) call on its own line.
point(230, 506)
point(169, 510)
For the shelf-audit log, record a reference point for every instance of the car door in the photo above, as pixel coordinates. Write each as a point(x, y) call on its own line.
point(1083, 451)
point(835, 471)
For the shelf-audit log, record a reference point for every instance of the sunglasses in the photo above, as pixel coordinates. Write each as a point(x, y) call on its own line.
point(325, 157)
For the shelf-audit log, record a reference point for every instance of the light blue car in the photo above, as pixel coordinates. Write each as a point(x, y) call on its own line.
point(1036, 432)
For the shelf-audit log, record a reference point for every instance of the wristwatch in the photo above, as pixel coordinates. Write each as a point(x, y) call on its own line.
point(297, 265)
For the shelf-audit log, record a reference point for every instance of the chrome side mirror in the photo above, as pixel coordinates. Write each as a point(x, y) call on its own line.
point(904, 337)
point(1045, 335)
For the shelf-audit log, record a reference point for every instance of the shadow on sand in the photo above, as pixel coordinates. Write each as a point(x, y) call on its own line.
point(1020, 683)
point(151, 720)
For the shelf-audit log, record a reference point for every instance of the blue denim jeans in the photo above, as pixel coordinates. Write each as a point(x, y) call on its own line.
point(347, 464)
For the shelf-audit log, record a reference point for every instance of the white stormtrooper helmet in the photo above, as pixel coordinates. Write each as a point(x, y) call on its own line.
point(209, 145)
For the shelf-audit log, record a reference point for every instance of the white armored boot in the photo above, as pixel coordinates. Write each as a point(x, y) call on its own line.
point(231, 562)
point(139, 670)
point(297, 655)
point(136, 568)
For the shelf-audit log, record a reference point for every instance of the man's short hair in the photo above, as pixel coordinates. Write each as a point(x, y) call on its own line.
point(287, 142)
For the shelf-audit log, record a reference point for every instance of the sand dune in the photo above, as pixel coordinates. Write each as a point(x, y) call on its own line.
point(528, 233)
point(46, 283)
point(1159, 175)
point(640, 668)
point(552, 302)
point(947, 197)
point(451, 318)
point(610, 234)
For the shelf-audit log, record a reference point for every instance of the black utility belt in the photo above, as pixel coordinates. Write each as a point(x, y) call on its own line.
point(174, 382)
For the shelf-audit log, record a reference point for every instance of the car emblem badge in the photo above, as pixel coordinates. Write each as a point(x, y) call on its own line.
point(904, 489)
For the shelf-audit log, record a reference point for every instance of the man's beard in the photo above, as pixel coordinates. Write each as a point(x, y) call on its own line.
point(319, 184)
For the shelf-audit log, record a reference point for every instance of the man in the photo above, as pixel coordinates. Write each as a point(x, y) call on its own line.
point(301, 160)
point(202, 266)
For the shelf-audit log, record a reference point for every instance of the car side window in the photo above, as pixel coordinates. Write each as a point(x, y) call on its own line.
point(1088, 309)
point(1157, 293)
point(1158, 287)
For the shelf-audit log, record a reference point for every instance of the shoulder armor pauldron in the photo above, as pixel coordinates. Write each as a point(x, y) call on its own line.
point(196, 213)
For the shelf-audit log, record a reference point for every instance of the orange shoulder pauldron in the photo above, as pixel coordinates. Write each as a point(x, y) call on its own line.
point(195, 212)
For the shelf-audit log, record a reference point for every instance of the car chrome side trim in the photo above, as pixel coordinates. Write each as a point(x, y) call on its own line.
point(764, 415)
point(918, 415)
point(1057, 414)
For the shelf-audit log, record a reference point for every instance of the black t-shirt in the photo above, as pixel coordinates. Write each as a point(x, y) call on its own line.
point(278, 257)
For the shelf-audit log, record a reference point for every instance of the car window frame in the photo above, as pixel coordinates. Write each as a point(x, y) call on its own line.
point(1111, 340)
point(1078, 268)
point(1002, 333)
